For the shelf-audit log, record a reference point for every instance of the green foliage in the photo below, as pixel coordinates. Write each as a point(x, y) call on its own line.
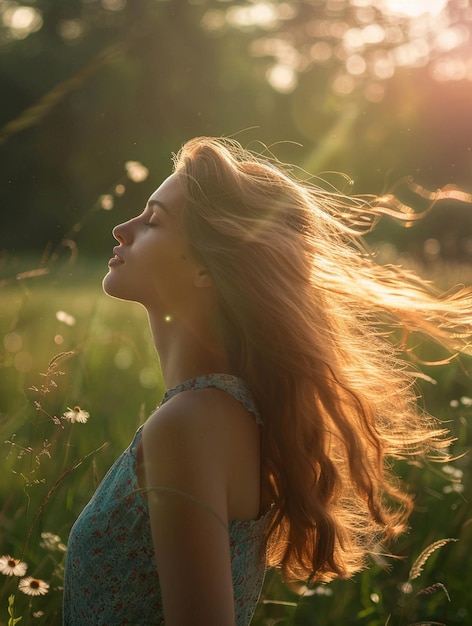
point(67, 345)
point(11, 612)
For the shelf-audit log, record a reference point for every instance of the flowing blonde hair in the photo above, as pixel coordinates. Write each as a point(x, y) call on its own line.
point(305, 312)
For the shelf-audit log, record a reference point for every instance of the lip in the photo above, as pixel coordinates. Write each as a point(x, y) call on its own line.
point(116, 260)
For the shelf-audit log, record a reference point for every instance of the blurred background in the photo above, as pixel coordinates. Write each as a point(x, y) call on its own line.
point(378, 90)
point(95, 96)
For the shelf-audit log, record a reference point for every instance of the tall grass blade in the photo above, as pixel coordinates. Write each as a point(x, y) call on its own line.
point(55, 485)
point(62, 356)
point(418, 565)
point(433, 589)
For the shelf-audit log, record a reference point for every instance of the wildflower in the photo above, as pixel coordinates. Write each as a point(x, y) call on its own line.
point(12, 567)
point(33, 586)
point(52, 542)
point(454, 472)
point(454, 488)
point(76, 415)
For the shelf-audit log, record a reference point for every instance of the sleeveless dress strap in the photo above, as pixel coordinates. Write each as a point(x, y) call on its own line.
point(235, 386)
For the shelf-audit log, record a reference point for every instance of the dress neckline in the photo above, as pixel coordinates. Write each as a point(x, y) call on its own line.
point(202, 381)
point(234, 385)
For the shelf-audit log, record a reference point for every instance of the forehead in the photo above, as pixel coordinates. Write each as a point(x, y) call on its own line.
point(169, 195)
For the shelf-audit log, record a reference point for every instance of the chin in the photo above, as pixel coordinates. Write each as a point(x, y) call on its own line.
point(117, 289)
point(106, 284)
point(112, 288)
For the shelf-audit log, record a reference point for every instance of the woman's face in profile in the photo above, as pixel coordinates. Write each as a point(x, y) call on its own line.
point(153, 263)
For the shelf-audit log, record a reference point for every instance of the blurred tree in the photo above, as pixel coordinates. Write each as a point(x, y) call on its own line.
point(99, 84)
point(379, 90)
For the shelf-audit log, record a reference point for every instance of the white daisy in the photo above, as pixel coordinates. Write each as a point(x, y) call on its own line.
point(52, 542)
point(33, 586)
point(76, 415)
point(12, 567)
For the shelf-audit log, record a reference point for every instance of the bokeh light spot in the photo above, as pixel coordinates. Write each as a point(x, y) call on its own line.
point(136, 171)
point(375, 92)
point(124, 358)
point(413, 8)
point(259, 14)
point(451, 69)
point(383, 66)
point(148, 378)
point(22, 20)
point(282, 78)
point(12, 342)
point(343, 84)
point(71, 30)
point(114, 5)
point(432, 248)
point(353, 39)
point(23, 361)
point(356, 65)
point(365, 14)
point(106, 202)
point(451, 38)
point(213, 20)
point(65, 318)
point(321, 52)
point(373, 34)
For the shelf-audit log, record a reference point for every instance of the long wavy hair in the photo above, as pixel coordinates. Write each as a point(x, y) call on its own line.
point(305, 314)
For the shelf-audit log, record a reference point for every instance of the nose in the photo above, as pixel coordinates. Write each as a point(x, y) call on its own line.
point(121, 232)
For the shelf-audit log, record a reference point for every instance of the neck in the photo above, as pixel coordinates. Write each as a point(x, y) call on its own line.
point(187, 350)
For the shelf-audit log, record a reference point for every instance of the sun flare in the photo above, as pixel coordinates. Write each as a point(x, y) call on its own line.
point(413, 8)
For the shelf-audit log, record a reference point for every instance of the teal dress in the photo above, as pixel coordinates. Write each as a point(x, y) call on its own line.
point(111, 576)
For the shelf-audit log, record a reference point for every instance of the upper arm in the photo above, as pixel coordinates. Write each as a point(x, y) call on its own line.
point(185, 471)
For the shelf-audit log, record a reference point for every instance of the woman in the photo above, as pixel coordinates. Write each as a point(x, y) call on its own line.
point(285, 400)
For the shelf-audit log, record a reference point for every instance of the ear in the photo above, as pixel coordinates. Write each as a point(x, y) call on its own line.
point(202, 278)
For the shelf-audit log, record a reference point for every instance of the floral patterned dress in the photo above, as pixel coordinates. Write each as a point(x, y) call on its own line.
point(110, 575)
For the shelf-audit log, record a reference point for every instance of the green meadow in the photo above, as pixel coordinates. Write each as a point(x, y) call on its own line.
point(64, 345)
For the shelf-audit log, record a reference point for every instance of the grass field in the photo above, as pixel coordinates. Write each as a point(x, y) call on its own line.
point(65, 345)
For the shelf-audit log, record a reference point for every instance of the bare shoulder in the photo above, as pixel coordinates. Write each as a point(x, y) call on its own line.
point(204, 437)
point(198, 413)
point(192, 488)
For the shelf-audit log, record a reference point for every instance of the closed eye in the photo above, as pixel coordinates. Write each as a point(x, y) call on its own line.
point(150, 218)
point(153, 211)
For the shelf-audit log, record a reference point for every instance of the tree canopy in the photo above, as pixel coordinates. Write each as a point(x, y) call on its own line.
point(379, 90)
